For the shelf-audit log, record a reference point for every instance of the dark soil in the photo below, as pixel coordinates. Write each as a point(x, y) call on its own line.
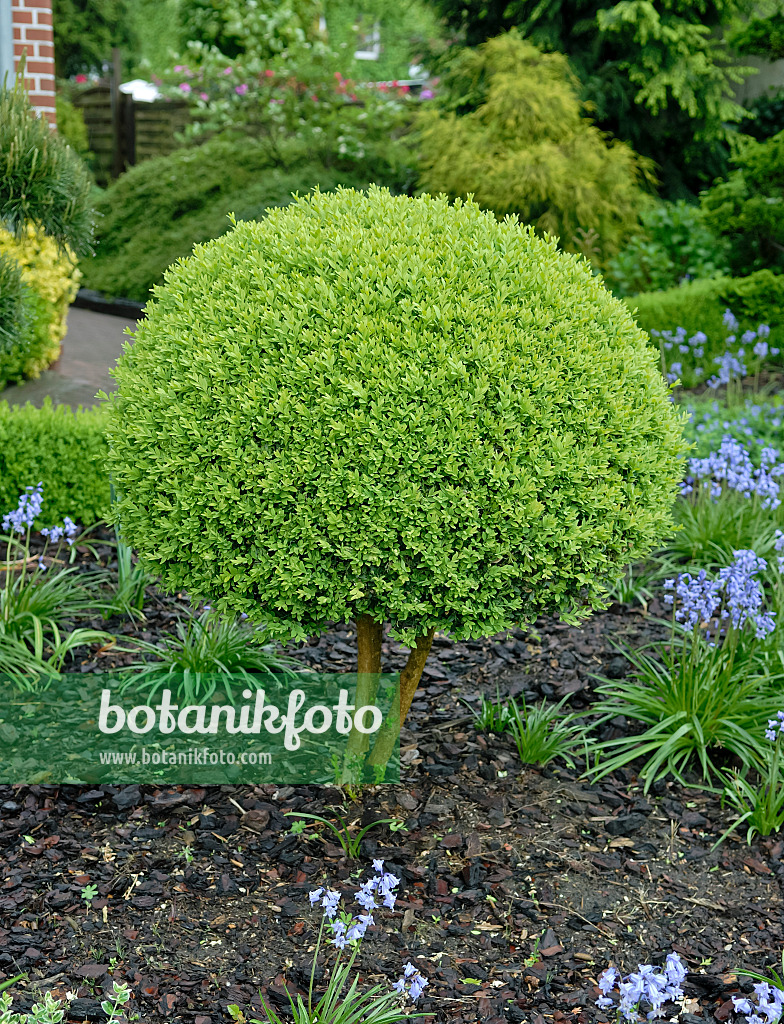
point(519, 885)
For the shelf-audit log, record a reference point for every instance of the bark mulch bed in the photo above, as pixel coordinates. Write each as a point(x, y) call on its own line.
point(519, 885)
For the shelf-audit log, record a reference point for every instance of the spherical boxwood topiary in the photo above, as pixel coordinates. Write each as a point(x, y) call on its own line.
point(390, 409)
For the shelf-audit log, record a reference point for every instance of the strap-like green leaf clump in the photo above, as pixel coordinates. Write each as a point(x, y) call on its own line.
point(391, 406)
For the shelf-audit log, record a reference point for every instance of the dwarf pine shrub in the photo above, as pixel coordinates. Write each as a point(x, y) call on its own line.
point(367, 405)
point(42, 180)
point(21, 318)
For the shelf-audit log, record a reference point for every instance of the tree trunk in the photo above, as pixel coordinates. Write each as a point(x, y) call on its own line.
point(369, 636)
point(409, 681)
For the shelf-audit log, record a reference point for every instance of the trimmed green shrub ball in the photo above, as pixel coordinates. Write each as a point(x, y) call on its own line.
point(376, 405)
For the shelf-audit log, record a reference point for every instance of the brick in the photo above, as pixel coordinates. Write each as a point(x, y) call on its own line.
point(42, 101)
point(40, 67)
point(47, 84)
point(21, 17)
point(44, 17)
point(17, 33)
point(47, 4)
point(43, 35)
point(46, 51)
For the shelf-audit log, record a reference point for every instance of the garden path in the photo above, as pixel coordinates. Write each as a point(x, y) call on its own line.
point(91, 347)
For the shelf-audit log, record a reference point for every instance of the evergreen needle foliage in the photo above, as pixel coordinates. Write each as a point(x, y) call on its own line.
point(20, 311)
point(659, 74)
point(42, 181)
point(375, 405)
point(525, 148)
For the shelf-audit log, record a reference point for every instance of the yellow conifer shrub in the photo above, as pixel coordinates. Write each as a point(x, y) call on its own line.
point(510, 131)
point(53, 274)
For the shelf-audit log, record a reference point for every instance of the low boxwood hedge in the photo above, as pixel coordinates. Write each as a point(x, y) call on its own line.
point(700, 305)
point(64, 449)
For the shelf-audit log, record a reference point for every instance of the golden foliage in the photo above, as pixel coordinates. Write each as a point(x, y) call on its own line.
point(524, 147)
point(53, 274)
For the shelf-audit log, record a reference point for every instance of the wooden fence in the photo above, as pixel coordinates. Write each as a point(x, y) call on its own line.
point(123, 132)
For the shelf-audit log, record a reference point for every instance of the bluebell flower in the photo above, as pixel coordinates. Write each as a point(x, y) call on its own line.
point(412, 982)
point(730, 367)
point(607, 980)
point(742, 1005)
point(647, 986)
point(675, 969)
point(418, 985)
point(27, 511)
point(330, 902)
point(732, 467)
point(339, 934)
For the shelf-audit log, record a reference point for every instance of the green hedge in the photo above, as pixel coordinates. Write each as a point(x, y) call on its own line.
point(700, 306)
point(157, 211)
point(64, 449)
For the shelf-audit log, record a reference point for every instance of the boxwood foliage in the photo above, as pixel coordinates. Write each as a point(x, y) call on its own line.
point(63, 448)
point(370, 404)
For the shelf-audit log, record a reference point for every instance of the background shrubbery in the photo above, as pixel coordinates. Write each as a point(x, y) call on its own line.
point(22, 319)
point(45, 216)
point(157, 211)
point(674, 245)
point(700, 305)
point(747, 210)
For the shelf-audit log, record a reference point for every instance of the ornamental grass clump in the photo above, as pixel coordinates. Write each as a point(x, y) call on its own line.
point(387, 409)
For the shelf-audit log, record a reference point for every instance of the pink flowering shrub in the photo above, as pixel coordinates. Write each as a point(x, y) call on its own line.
point(334, 119)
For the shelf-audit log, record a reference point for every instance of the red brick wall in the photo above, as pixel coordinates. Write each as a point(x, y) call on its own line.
point(32, 22)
